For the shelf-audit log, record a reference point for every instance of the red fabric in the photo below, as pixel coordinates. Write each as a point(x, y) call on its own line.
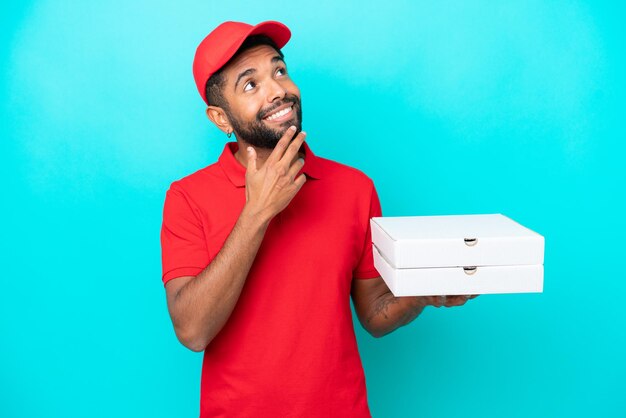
point(288, 348)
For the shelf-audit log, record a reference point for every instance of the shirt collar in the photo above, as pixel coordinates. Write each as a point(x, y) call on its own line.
point(236, 172)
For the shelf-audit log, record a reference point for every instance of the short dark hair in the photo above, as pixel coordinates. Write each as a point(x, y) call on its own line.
point(215, 84)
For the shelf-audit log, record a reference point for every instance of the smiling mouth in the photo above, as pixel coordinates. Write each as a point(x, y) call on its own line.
point(280, 115)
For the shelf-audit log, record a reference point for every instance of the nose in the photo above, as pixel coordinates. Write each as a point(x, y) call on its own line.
point(275, 91)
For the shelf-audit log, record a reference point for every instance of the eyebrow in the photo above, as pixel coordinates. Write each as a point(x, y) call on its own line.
point(249, 71)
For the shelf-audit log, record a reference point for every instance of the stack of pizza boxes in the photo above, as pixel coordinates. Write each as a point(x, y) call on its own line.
point(457, 255)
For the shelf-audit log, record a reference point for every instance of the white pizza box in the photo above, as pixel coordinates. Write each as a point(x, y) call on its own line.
point(468, 280)
point(455, 240)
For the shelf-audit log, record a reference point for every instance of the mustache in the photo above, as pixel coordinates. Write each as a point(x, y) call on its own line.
point(287, 99)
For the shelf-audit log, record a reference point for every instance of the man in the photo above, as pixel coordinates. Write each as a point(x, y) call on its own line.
point(263, 249)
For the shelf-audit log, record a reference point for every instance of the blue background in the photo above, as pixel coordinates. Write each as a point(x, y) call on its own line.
point(451, 107)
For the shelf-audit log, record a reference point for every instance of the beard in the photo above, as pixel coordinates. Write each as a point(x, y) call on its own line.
point(258, 134)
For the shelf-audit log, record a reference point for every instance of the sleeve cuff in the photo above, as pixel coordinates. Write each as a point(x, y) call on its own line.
point(368, 274)
point(181, 271)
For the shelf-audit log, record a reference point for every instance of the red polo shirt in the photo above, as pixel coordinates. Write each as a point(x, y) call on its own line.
point(288, 348)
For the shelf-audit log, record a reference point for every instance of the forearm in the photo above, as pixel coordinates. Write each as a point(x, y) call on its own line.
point(204, 304)
point(389, 313)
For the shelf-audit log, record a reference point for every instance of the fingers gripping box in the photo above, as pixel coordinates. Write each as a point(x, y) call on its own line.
point(457, 255)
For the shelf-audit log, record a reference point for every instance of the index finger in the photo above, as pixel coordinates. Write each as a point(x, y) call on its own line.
point(282, 145)
point(294, 147)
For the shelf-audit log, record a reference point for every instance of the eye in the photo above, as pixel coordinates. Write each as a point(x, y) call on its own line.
point(281, 71)
point(249, 86)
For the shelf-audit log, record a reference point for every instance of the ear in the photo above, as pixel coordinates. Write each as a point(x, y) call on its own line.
point(218, 117)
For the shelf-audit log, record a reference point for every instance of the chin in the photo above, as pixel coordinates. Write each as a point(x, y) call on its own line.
point(285, 125)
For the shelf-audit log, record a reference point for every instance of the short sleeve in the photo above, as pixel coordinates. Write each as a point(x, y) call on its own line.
point(183, 245)
point(365, 268)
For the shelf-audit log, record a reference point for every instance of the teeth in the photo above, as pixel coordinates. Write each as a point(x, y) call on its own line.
point(279, 114)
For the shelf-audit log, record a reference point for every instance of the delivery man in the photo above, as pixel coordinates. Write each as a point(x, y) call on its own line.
point(263, 249)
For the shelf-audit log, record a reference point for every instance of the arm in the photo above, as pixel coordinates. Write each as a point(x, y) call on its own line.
point(200, 306)
point(380, 312)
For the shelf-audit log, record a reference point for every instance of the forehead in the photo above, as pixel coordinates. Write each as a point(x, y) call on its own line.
point(252, 58)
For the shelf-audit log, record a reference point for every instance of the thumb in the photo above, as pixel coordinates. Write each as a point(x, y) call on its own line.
point(251, 159)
